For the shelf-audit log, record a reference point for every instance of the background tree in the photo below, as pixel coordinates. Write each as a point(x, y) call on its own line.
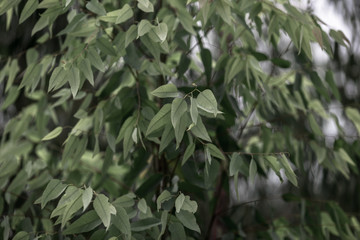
point(159, 119)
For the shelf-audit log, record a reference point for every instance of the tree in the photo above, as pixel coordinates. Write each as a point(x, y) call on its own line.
point(147, 120)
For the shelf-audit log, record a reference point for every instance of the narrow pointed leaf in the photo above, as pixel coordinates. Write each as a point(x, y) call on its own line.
point(102, 207)
point(52, 191)
point(166, 91)
point(53, 134)
point(87, 197)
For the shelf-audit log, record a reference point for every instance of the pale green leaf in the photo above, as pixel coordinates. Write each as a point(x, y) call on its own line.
point(5, 5)
point(22, 236)
point(53, 134)
point(85, 68)
point(252, 170)
point(345, 157)
point(178, 108)
point(142, 206)
point(144, 27)
point(164, 196)
point(354, 115)
point(288, 170)
point(161, 31)
point(193, 110)
point(102, 207)
point(189, 205)
point(74, 80)
point(274, 164)
point(166, 91)
point(145, 5)
point(200, 131)
point(87, 197)
point(179, 202)
point(124, 14)
point(31, 75)
point(207, 102)
point(96, 7)
point(52, 191)
point(28, 10)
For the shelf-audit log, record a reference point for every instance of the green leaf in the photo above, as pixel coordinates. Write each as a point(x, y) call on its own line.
point(53, 134)
point(188, 152)
point(164, 219)
point(8, 4)
point(188, 220)
point(206, 59)
point(122, 222)
point(164, 196)
point(345, 157)
point(85, 223)
point(21, 236)
point(314, 125)
point(161, 31)
point(288, 170)
point(102, 207)
point(200, 131)
point(178, 108)
point(124, 14)
point(74, 80)
point(144, 224)
point(166, 137)
point(11, 97)
point(177, 231)
point(252, 170)
point(85, 68)
point(235, 65)
point(159, 120)
point(145, 5)
point(130, 35)
point(274, 164)
point(207, 102)
point(189, 205)
point(166, 91)
point(28, 10)
point(144, 27)
point(95, 59)
point(31, 75)
point(331, 82)
point(142, 206)
point(193, 110)
point(57, 79)
point(71, 208)
point(96, 7)
point(214, 151)
point(354, 115)
point(319, 85)
point(280, 62)
point(105, 46)
point(87, 197)
point(52, 191)
point(179, 202)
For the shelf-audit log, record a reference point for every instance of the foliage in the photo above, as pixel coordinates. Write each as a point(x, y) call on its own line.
point(129, 124)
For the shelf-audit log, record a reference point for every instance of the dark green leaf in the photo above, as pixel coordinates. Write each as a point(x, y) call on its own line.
point(188, 220)
point(85, 223)
point(145, 224)
point(28, 10)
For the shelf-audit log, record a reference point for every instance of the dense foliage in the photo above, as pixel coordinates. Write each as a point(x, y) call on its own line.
point(150, 119)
